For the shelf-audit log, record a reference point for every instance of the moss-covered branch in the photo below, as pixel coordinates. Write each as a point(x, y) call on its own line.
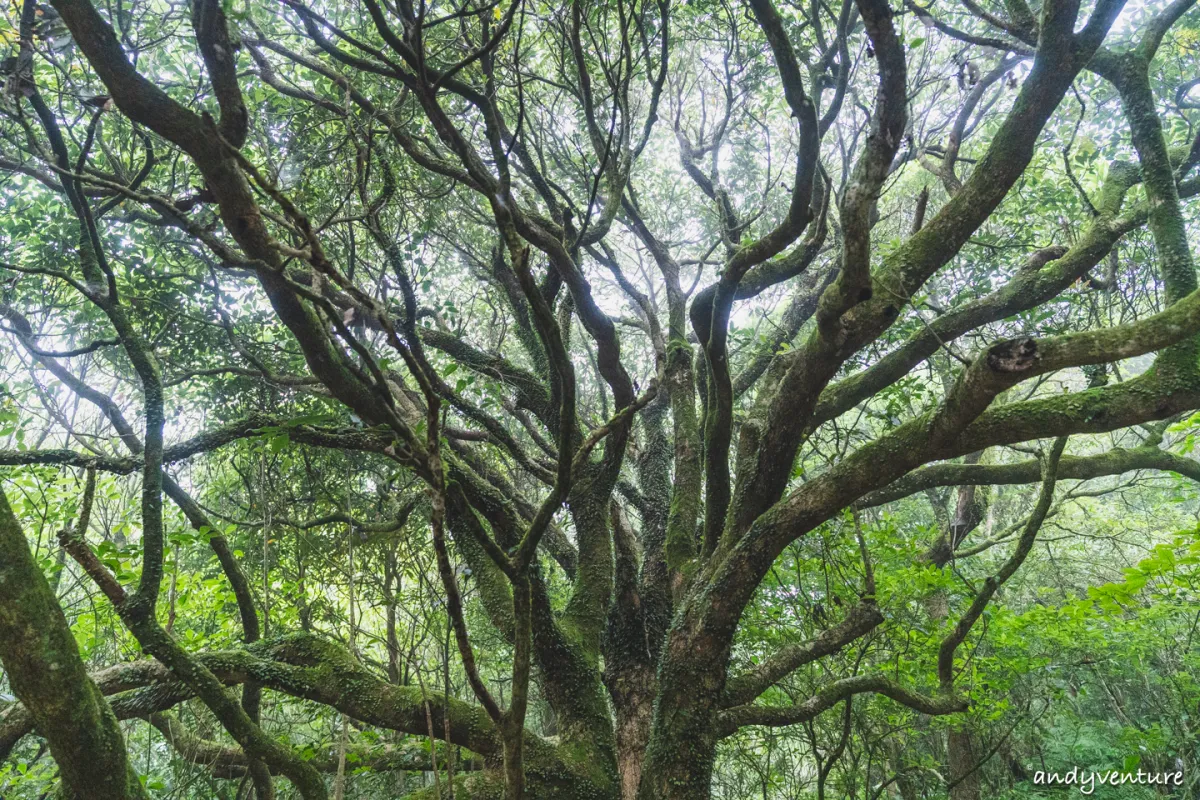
point(228, 761)
point(300, 665)
point(1113, 462)
point(42, 663)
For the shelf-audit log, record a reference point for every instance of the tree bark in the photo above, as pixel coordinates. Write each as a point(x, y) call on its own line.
point(964, 774)
point(43, 665)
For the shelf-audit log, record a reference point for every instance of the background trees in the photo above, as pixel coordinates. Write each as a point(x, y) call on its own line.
point(607, 400)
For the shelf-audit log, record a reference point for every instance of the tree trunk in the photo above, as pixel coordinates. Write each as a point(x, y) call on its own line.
point(683, 738)
point(41, 659)
point(634, 707)
point(963, 760)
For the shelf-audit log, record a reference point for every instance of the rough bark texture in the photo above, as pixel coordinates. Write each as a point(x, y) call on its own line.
point(635, 663)
point(42, 663)
point(963, 764)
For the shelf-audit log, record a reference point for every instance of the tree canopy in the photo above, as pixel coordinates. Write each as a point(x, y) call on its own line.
point(620, 399)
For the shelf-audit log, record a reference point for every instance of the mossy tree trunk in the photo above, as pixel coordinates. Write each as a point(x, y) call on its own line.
point(41, 659)
point(652, 614)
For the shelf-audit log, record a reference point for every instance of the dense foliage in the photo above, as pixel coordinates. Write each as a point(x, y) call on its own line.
point(617, 399)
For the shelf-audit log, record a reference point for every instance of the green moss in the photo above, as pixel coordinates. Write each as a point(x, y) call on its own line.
point(43, 666)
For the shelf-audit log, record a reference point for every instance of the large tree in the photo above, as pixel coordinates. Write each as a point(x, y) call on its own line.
point(604, 307)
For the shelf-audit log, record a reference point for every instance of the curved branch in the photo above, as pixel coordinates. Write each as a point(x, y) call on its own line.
point(733, 719)
point(299, 665)
point(861, 620)
point(1082, 468)
point(1024, 545)
point(226, 761)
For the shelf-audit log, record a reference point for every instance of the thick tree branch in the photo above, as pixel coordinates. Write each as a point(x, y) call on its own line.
point(1113, 462)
